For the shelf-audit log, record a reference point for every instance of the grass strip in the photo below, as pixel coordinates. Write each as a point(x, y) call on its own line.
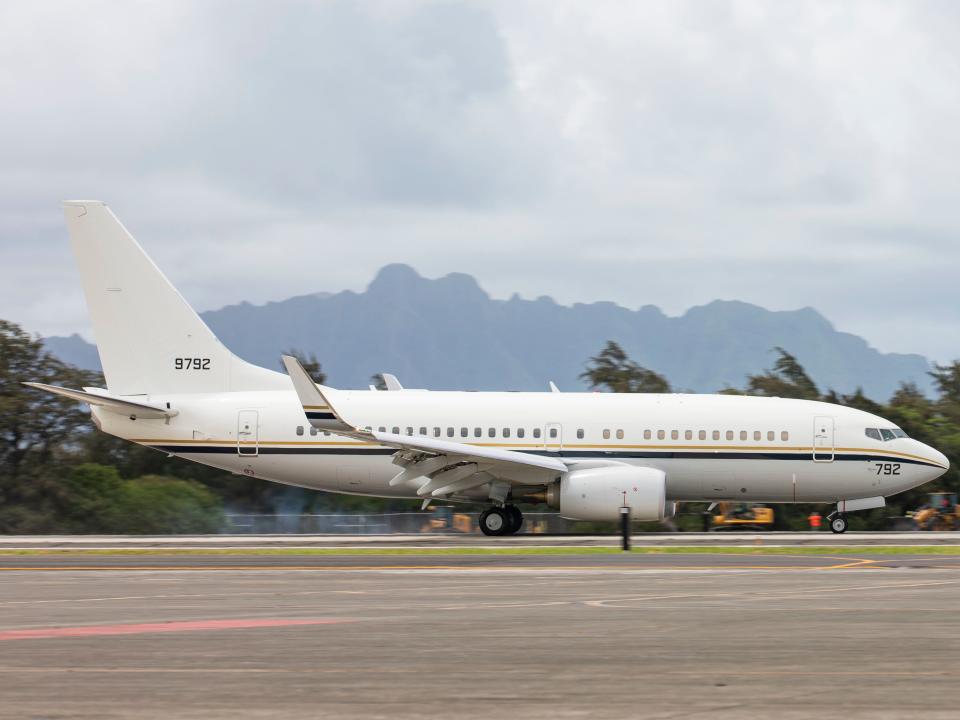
point(672, 550)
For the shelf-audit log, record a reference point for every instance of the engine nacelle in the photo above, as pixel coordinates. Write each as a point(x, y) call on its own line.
point(599, 493)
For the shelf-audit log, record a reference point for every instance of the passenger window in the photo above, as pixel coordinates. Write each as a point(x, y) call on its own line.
point(464, 432)
point(784, 435)
point(661, 434)
point(506, 432)
point(396, 430)
point(674, 434)
point(886, 434)
point(383, 428)
point(647, 435)
point(436, 432)
point(702, 434)
point(478, 432)
point(299, 429)
point(536, 432)
point(409, 430)
point(492, 432)
point(520, 432)
point(872, 433)
point(716, 434)
point(619, 434)
point(729, 434)
point(688, 435)
point(579, 433)
point(313, 430)
point(743, 435)
point(771, 435)
point(757, 436)
point(449, 432)
point(606, 433)
point(553, 432)
point(423, 431)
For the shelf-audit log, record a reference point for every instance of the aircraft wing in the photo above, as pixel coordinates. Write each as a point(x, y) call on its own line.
point(437, 468)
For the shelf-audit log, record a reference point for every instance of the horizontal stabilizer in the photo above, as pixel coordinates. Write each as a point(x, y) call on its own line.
point(109, 402)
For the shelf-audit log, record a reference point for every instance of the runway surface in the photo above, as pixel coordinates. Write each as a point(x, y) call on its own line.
point(476, 540)
point(519, 636)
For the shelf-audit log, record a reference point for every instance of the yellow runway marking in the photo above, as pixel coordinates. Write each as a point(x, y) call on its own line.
point(857, 563)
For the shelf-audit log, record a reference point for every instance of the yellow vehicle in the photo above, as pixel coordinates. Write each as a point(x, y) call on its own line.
point(742, 516)
point(940, 513)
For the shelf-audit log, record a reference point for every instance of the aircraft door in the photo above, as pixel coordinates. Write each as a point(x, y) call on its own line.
point(248, 432)
point(823, 439)
point(553, 437)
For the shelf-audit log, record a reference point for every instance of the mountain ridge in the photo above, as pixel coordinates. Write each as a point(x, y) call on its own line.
point(448, 333)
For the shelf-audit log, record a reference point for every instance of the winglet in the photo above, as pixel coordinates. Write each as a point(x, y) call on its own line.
point(319, 411)
point(390, 380)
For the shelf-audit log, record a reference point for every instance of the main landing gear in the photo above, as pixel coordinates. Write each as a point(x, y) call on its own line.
point(838, 522)
point(505, 520)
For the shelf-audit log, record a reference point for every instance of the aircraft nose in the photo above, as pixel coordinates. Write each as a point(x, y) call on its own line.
point(937, 457)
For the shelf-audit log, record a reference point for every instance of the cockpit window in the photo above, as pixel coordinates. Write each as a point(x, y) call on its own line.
point(885, 434)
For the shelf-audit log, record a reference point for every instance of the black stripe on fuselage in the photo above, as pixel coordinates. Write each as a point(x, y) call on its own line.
point(314, 415)
point(573, 454)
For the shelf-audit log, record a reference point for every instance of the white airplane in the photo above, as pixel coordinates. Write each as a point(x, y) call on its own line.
point(171, 385)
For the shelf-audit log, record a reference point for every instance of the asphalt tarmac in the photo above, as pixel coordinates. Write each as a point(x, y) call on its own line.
point(476, 540)
point(518, 636)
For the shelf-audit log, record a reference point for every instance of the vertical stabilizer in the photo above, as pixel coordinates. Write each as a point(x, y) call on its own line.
point(150, 340)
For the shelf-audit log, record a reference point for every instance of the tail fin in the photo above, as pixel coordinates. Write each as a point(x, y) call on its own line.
point(150, 340)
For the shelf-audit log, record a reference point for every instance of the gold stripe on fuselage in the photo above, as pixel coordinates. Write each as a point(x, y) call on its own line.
point(541, 446)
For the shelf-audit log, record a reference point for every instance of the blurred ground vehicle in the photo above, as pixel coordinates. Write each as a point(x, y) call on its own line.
point(938, 514)
point(742, 516)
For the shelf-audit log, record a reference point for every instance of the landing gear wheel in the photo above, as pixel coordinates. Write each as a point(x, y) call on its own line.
point(516, 518)
point(495, 521)
point(838, 524)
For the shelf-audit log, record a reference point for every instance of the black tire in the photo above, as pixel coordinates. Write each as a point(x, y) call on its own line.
point(494, 521)
point(838, 524)
point(516, 518)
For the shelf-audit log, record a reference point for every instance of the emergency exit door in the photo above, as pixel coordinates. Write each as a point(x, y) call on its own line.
point(823, 443)
point(248, 432)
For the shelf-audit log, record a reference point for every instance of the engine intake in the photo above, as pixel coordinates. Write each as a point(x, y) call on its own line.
point(599, 493)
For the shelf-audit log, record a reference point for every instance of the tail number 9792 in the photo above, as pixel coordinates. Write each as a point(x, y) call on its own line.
point(888, 468)
point(191, 363)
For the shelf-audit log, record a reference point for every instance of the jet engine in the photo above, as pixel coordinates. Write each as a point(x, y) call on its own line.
point(598, 493)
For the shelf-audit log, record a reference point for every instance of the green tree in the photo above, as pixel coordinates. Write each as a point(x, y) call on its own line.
point(36, 429)
point(310, 364)
point(97, 499)
point(857, 400)
point(613, 370)
point(787, 379)
point(160, 505)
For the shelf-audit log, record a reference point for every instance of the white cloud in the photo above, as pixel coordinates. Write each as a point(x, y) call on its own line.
point(787, 154)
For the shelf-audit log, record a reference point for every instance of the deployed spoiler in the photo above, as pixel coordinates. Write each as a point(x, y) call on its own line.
point(108, 402)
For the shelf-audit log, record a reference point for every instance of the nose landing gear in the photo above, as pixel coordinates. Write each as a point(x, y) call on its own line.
point(505, 520)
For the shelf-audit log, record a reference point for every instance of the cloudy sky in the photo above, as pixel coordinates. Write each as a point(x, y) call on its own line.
point(786, 154)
